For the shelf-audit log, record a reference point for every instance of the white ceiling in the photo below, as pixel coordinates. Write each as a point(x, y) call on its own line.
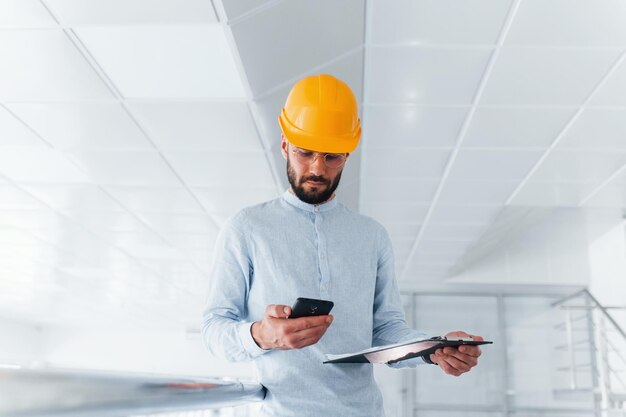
point(130, 130)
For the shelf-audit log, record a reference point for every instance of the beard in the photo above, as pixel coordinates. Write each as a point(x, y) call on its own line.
point(317, 194)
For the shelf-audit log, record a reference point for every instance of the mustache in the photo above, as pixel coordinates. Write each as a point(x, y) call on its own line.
point(316, 179)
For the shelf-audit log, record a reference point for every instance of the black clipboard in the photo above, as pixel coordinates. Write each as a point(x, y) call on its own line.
point(389, 354)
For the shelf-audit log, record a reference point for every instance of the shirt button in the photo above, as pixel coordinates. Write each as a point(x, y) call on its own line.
point(322, 256)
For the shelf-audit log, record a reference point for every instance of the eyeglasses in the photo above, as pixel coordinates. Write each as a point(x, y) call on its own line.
point(331, 160)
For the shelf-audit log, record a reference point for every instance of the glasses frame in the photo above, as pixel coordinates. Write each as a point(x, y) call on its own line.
point(295, 150)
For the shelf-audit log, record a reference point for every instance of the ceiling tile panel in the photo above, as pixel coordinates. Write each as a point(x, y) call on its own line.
point(425, 75)
point(579, 166)
point(156, 199)
point(612, 195)
point(133, 12)
point(15, 133)
point(444, 246)
point(553, 193)
point(411, 163)
point(44, 165)
point(227, 201)
point(398, 190)
point(398, 230)
point(292, 38)
point(191, 241)
point(519, 128)
point(180, 223)
point(191, 61)
point(445, 231)
point(438, 21)
point(395, 212)
point(458, 192)
point(224, 169)
point(101, 222)
point(471, 215)
point(546, 76)
point(580, 23)
point(493, 165)
point(198, 126)
point(412, 126)
point(43, 64)
point(24, 13)
point(130, 168)
point(237, 8)
point(613, 91)
point(596, 129)
point(12, 197)
point(73, 197)
point(34, 220)
point(70, 126)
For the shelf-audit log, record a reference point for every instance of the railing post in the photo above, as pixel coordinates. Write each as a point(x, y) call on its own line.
point(570, 346)
point(603, 364)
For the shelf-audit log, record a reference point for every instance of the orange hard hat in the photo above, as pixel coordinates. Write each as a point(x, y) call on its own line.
point(321, 114)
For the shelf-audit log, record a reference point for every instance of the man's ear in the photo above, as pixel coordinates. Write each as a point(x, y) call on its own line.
point(283, 145)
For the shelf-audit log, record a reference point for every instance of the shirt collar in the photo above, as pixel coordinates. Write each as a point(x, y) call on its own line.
point(315, 208)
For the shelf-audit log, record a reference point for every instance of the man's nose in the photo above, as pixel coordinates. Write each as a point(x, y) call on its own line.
point(317, 166)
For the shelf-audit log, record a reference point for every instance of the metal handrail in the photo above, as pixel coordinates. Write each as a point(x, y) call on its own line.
point(600, 307)
point(26, 392)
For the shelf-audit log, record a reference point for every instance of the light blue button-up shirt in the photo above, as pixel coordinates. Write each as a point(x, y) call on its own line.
point(275, 252)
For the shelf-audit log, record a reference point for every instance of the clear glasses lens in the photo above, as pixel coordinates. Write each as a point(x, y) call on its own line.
point(332, 160)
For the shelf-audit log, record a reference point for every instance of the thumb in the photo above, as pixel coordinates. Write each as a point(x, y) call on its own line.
point(278, 311)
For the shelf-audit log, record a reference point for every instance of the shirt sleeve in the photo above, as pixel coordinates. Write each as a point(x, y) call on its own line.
point(389, 322)
point(225, 332)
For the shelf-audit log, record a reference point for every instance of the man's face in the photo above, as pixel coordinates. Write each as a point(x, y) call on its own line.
point(313, 183)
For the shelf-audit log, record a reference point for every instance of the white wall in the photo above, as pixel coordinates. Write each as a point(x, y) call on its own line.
point(144, 351)
point(607, 255)
point(162, 352)
point(553, 251)
point(20, 344)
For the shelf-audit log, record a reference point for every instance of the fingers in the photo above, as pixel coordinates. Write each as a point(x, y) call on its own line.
point(294, 333)
point(307, 337)
point(470, 350)
point(290, 339)
point(447, 367)
point(471, 361)
point(440, 359)
point(278, 311)
point(303, 323)
point(455, 362)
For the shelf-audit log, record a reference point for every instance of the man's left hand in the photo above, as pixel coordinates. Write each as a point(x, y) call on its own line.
point(457, 360)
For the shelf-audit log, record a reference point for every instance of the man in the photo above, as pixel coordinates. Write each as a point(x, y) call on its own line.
point(306, 244)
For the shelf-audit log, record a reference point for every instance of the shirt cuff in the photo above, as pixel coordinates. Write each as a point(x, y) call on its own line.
point(245, 335)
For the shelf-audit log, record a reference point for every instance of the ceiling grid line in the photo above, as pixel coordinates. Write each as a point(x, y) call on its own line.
point(481, 87)
point(367, 36)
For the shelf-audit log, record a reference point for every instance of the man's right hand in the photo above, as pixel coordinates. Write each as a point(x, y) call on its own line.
point(275, 331)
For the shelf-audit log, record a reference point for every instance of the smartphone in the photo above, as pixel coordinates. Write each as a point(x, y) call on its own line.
point(307, 307)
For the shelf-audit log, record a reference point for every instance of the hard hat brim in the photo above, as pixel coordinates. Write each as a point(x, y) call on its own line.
point(317, 143)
